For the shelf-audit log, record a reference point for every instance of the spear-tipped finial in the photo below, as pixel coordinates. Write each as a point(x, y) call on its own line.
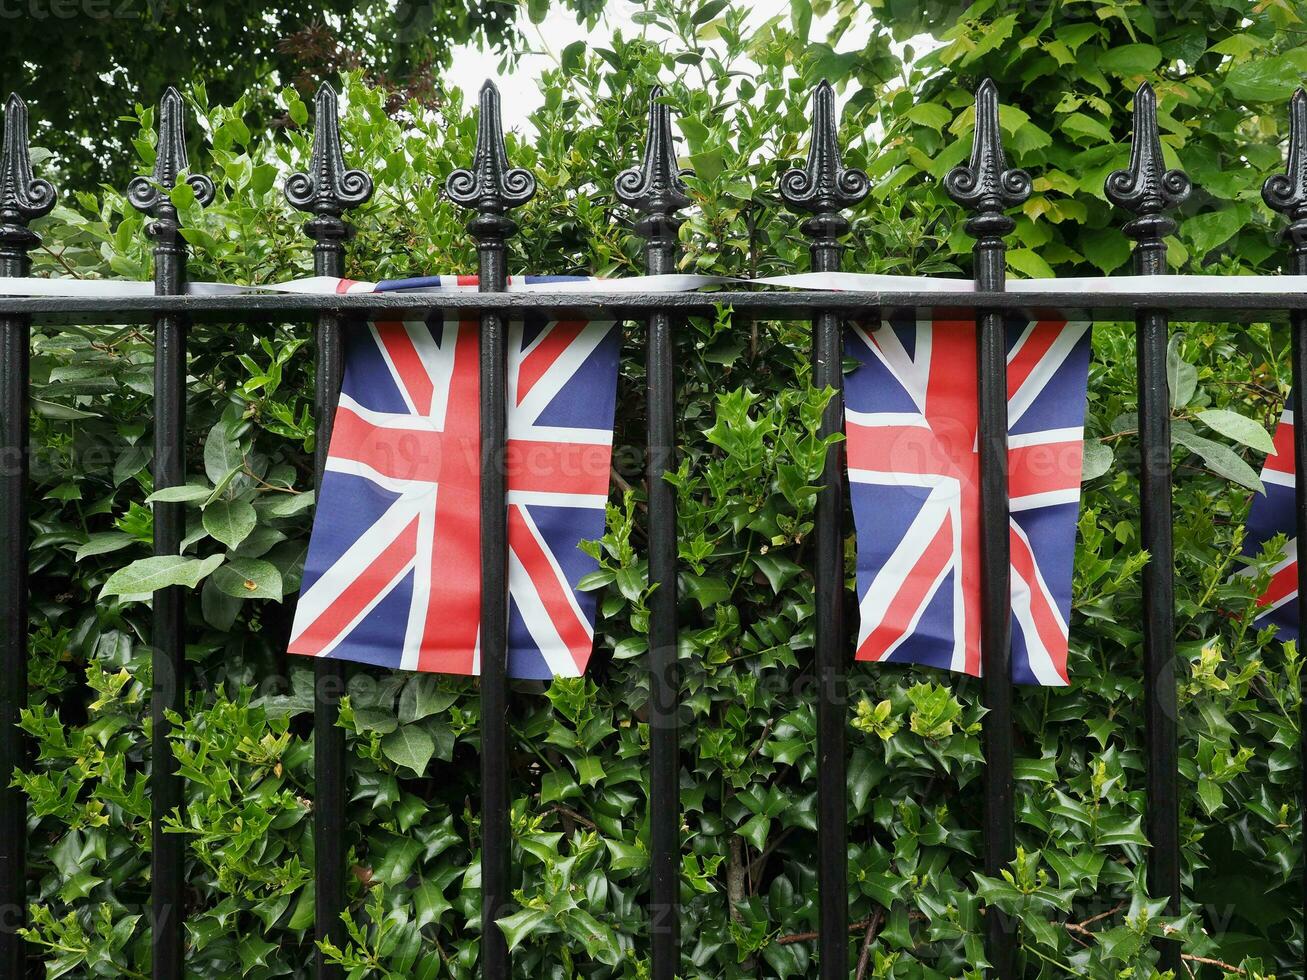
point(986, 185)
point(327, 188)
point(1146, 188)
point(150, 194)
point(1287, 192)
point(22, 196)
point(655, 187)
point(490, 186)
point(824, 186)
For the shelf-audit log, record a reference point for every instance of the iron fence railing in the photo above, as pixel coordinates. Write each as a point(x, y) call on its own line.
point(824, 188)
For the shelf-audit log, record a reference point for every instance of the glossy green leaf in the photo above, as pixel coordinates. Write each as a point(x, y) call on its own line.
point(230, 521)
point(146, 575)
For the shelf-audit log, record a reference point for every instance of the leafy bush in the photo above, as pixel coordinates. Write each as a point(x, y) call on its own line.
point(749, 458)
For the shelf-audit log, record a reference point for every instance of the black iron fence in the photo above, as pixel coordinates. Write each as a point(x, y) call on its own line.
point(490, 189)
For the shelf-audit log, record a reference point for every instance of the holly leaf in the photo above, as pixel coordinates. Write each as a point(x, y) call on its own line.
point(410, 747)
point(518, 926)
point(422, 698)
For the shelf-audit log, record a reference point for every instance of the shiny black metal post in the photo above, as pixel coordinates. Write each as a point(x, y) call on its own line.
point(326, 190)
point(987, 187)
point(168, 853)
point(1147, 189)
point(22, 198)
point(491, 188)
point(823, 188)
point(1287, 194)
point(656, 190)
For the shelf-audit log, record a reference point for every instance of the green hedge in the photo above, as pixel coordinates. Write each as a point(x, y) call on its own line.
point(1223, 71)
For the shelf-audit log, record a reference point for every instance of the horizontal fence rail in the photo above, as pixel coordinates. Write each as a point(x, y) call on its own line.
point(1125, 304)
point(489, 188)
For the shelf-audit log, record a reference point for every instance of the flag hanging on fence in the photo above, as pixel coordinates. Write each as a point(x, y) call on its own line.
point(1272, 514)
point(914, 467)
point(392, 576)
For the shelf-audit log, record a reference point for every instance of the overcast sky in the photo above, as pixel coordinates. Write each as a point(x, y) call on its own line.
point(521, 93)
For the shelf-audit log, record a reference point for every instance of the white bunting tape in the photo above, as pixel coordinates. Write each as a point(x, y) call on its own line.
point(861, 282)
point(847, 282)
point(324, 285)
point(327, 285)
point(866, 282)
point(1185, 285)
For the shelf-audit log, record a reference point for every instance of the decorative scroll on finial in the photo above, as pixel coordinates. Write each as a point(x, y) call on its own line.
point(824, 186)
point(986, 185)
point(22, 196)
point(490, 186)
point(327, 188)
point(150, 194)
point(655, 187)
point(1287, 192)
point(1146, 188)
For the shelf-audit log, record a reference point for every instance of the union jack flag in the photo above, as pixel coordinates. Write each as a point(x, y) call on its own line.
point(1270, 515)
point(914, 476)
point(392, 576)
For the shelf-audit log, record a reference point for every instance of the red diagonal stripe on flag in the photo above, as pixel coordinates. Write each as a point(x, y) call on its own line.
point(1284, 583)
point(548, 349)
point(408, 364)
point(908, 601)
point(1282, 460)
point(1041, 612)
point(562, 614)
point(366, 586)
point(1024, 361)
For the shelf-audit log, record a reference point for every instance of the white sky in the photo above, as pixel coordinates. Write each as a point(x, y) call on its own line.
point(521, 91)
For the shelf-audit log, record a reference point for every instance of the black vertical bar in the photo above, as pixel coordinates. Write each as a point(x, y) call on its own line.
point(326, 190)
point(1147, 189)
point(655, 188)
point(22, 198)
point(168, 854)
point(823, 188)
point(1298, 405)
point(15, 334)
point(491, 188)
point(996, 591)
point(1287, 193)
point(987, 187)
